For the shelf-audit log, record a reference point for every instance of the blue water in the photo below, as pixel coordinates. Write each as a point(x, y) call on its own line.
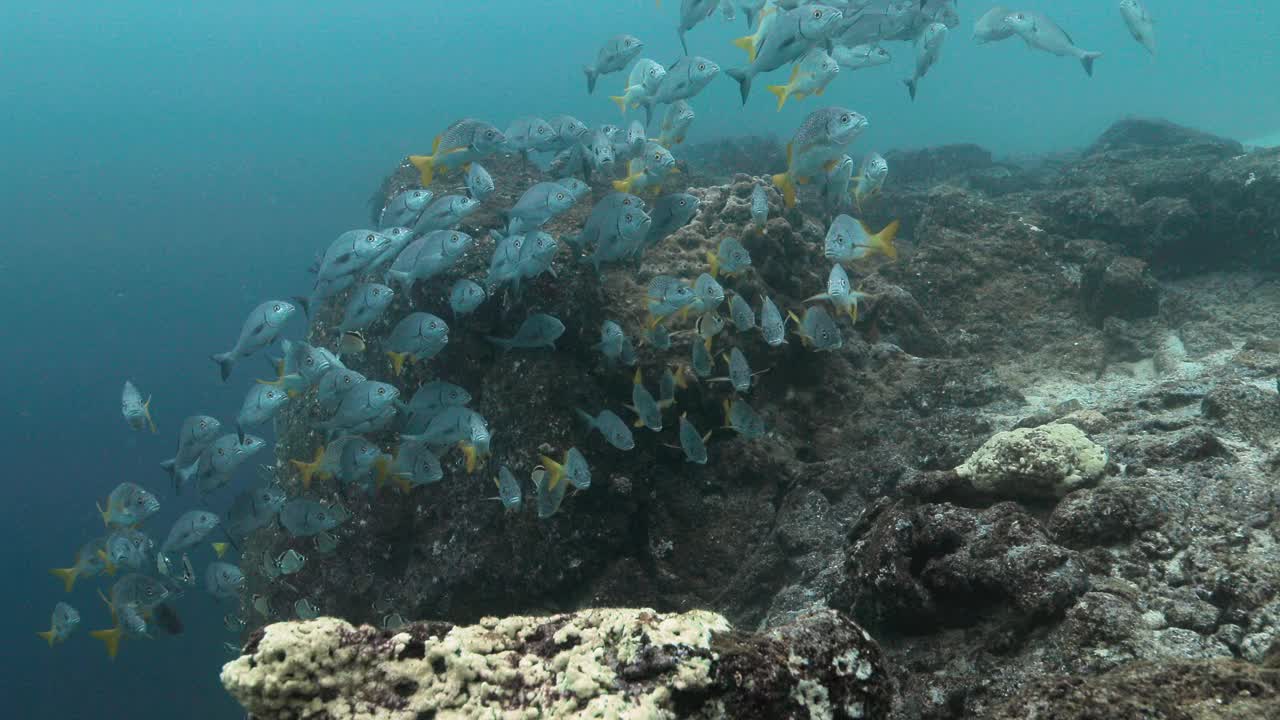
point(164, 166)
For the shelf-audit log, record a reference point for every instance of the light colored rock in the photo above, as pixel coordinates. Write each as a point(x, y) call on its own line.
point(1035, 463)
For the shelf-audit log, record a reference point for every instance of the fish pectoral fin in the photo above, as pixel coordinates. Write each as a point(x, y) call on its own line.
point(146, 409)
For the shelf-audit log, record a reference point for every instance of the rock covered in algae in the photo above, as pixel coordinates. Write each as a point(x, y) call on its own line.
point(1044, 462)
point(607, 663)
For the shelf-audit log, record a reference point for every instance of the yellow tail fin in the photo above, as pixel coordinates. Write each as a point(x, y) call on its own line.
point(106, 516)
point(397, 361)
point(621, 100)
point(47, 635)
point(68, 576)
point(110, 638)
point(623, 185)
point(471, 454)
point(714, 262)
point(146, 409)
point(781, 92)
point(381, 471)
point(783, 182)
point(308, 469)
point(555, 472)
point(425, 165)
point(107, 567)
point(884, 240)
point(748, 43)
point(220, 549)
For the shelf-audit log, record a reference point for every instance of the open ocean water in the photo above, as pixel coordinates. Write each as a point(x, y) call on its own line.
point(165, 166)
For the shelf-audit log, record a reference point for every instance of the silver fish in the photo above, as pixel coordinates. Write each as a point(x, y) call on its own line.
point(614, 56)
point(1042, 33)
point(136, 412)
point(366, 305)
point(612, 427)
point(260, 330)
point(538, 330)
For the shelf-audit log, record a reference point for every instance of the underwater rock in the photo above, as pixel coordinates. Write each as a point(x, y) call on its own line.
point(1138, 132)
point(595, 663)
point(932, 165)
point(1220, 689)
point(1035, 463)
point(1119, 286)
point(1247, 409)
point(913, 570)
point(1107, 514)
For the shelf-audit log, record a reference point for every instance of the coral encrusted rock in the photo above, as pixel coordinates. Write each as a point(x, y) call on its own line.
point(632, 663)
point(1029, 463)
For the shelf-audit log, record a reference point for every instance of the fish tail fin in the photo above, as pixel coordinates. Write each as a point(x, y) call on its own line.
point(426, 165)
point(225, 362)
point(727, 405)
point(106, 516)
point(744, 82)
point(751, 17)
point(555, 471)
point(586, 418)
point(397, 361)
point(68, 576)
point(911, 87)
point(591, 78)
point(683, 45)
point(783, 182)
point(107, 566)
point(308, 469)
point(219, 549)
point(47, 636)
point(624, 185)
point(146, 410)
point(471, 455)
point(1087, 61)
point(647, 103)
point(621, 100)
point(714, 264)
point(883, 240)
point(747, 43)
point(403, 484)
point(170, 466)
point(110, 638)
point(381, 469)
point(781, 92)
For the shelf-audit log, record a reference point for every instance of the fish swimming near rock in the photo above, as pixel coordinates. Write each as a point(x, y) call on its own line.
point(218, 463)
point(818, 330)
point(418, 336)
point(648, 411)
point(670, 213)
point(1042, 33)
point(366, 305)
point(848, 240)
point(223, 580)
point(464, 297)
point(537, 205)
point(692, 442)
point(188, 530)
point(742, 418)
point(403, 209)
point(835, 188)
point(197, 433)
point(741, 314)
point(479, 182)
point(303, 518)
point(525, 135)
point(614, 56)
point(819, 142)
point(730, 258)
point(260, 329)
point(841, 296)
point(352, 252)
point(253, 509)
point(612, 427)
point(428, 256)
point(462, 142)
point(444, 213)
point(509, 492)
point(260, 404)
point(675, 124)
point(136, 412)
point(871, 177)
point(573, 468)
point(772, 325)
point(430, 400)
point(928, 50)
point(759, 206)
point(537, 330)
point(362, 408)
point(1139, 23)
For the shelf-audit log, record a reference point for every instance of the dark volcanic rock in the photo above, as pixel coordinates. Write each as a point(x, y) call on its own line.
point(932, 165)
point(915, 569)
point(1136, 132)
point(1119, 286)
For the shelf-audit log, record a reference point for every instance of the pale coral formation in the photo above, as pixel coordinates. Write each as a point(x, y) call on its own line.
point(1044, 462)
point(610, 663)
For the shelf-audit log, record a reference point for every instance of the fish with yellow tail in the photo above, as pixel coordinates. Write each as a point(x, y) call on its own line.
point(64, 621)
point(841, 296)
point(810, 76)
point(645, 76)
point(751, 43)
point(136, 412)
point(849, 240)
point(647, 171)
point(818, 144)
point(462, 142)
point(89, 562)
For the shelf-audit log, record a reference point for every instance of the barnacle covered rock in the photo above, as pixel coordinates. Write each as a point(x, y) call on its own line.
point(591, 664)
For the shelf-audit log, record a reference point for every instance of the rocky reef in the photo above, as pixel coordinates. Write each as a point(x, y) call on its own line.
point(1041, 472)
point(591, 664)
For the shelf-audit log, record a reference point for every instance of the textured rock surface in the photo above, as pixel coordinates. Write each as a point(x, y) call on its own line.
point(1033, 463)
point(1124, 292)
point(592, 664)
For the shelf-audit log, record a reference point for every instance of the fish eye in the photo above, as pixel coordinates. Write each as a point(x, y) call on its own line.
point(683, 203)
point(817, 14)
point(276, 308)
point(559, 196)
point(382, 391)
point(657, 156)
point(369, 237)
point(203, 424)
point(311, 361)
point(221, 451)
point(844, 118)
